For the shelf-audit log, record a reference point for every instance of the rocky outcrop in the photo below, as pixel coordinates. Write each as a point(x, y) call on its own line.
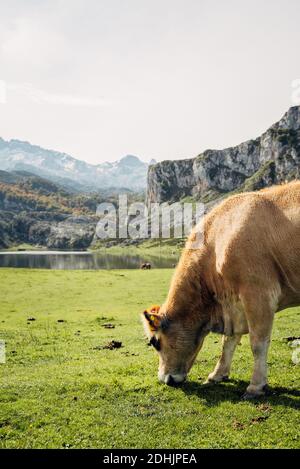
point(270, 159)
point(35, 211)
point(51, 230)
point(73, 233)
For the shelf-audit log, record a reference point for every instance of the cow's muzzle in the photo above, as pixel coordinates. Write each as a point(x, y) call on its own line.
point(172, 379)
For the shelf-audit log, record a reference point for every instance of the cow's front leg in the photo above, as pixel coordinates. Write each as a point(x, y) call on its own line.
point(258, 384)
point(222, 369)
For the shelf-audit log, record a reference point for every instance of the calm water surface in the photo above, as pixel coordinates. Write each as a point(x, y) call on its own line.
point(80, 260)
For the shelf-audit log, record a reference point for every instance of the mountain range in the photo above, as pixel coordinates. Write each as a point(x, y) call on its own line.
point(37, 206)
point(129, 172)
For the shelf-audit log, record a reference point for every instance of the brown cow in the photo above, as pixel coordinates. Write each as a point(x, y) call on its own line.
point(245, 270)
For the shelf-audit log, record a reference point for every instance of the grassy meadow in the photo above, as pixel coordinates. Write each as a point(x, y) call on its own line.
point(59, 387)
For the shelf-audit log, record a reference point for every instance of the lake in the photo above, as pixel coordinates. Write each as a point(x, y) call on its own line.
point(81, 260)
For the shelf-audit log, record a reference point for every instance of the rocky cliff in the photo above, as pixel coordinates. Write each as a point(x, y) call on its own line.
point(36, 211)
point(270, 159)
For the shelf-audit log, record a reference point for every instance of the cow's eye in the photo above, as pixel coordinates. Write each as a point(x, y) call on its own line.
point(155, 342)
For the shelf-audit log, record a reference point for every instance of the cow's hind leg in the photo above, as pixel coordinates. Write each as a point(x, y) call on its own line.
point(222, 369)
point(260, 316)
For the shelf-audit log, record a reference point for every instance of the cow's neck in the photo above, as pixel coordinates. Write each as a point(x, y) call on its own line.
point(192, 293)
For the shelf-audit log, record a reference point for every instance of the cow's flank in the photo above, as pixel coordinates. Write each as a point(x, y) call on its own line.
point(246, 269)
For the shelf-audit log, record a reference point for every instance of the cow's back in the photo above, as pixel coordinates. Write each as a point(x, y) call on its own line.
point(255, 237)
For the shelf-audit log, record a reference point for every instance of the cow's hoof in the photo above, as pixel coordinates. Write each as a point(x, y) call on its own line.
point(256, 394)
point(225, 378)
point(216, 379)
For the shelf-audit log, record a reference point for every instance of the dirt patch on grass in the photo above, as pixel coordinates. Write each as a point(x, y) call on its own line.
point(113, 344)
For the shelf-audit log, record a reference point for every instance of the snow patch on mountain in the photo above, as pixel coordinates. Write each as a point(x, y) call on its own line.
point(128, 172)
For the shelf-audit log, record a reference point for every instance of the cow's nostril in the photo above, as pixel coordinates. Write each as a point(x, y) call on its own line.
point(170, 380)
point(174, 380)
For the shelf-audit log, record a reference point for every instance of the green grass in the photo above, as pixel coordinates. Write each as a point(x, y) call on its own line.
point(24, 247)
point(60, 389)
point(149, 247)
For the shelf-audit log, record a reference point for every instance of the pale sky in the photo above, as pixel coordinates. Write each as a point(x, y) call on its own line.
point(162, 79)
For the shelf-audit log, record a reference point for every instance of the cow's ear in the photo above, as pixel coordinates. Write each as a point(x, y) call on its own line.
point(151, 321)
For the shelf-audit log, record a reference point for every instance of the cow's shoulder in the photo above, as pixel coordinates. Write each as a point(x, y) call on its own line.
point(235, 214)
point(234, 230)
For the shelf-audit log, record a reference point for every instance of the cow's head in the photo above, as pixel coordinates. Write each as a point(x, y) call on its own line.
point(177, 341)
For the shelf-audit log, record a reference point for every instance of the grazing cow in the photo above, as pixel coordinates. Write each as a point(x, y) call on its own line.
point(246, 268)
point(146, 266)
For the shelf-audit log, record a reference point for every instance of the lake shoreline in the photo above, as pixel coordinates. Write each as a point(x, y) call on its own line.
point(86, 260)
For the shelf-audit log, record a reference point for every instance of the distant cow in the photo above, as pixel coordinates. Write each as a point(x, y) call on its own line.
point(246, 268)
point(146, 266)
